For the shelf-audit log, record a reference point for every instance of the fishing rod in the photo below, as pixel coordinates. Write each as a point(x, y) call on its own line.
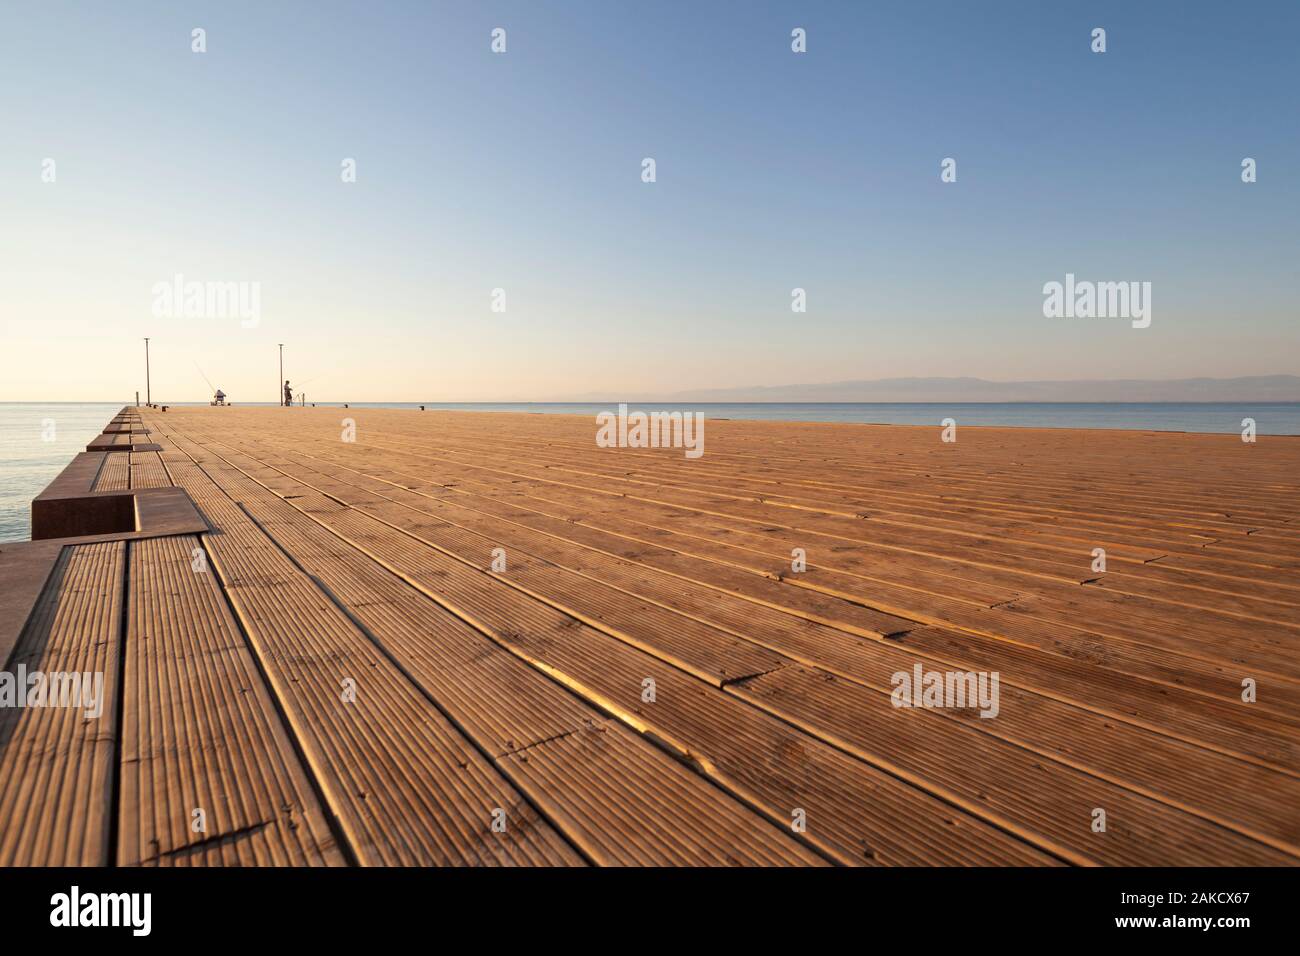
point(302, 394)
point(205, 378)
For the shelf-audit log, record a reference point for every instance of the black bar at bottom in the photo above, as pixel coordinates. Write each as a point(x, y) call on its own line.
point(639, 908)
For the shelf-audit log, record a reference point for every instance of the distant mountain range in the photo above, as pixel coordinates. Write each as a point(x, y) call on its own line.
point(1255, 388)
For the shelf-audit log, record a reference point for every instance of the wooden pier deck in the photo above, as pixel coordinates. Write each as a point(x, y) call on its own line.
point(468, 638)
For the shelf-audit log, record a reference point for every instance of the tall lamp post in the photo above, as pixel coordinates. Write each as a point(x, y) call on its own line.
point(148, 396)
point(279, 386)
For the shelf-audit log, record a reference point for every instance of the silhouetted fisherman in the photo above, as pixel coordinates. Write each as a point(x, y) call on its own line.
point(288, 393)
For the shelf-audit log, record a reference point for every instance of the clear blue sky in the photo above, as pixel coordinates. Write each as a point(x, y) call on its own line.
point(522, 171)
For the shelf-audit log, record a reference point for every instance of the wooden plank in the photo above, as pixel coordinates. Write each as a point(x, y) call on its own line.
point(147, 470)
point(115, 475)
point(25, 567)
point(200, 731)
point(56, 760)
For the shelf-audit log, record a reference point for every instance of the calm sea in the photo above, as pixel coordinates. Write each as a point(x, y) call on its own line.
point(38, 440)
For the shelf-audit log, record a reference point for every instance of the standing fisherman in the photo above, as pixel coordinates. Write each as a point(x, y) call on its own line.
point(288, 393)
